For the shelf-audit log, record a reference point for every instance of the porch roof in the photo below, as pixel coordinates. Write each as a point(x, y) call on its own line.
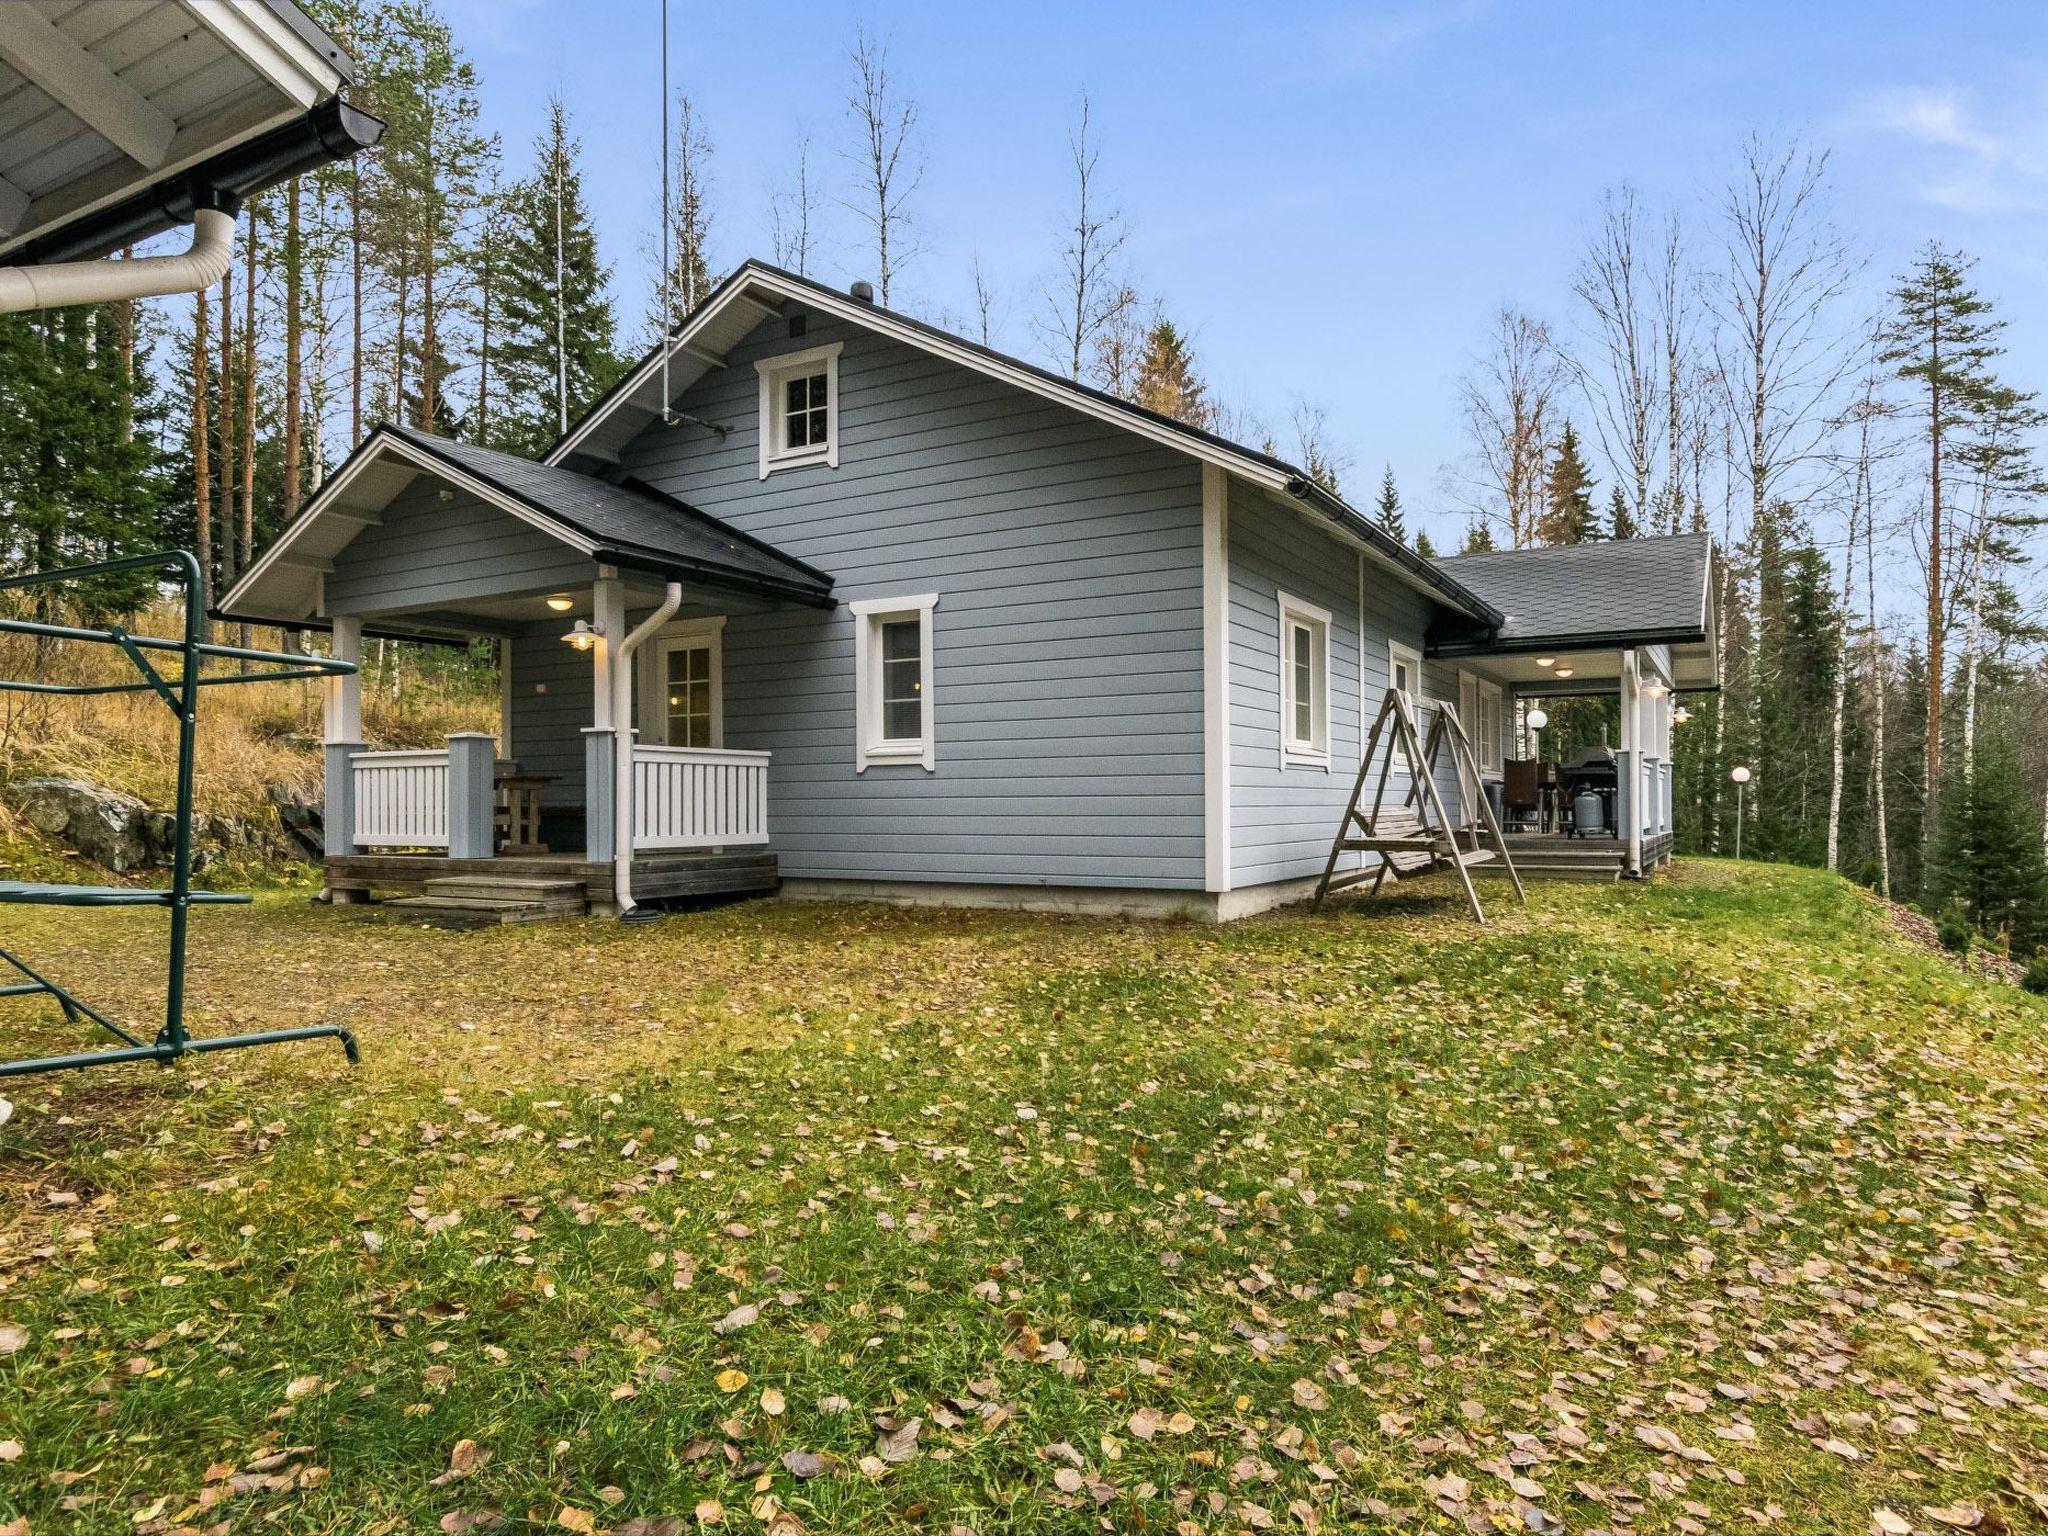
point(1612, 593)
point(623, 523)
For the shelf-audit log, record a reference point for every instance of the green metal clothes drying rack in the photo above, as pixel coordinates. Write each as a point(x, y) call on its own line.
point(180, 694)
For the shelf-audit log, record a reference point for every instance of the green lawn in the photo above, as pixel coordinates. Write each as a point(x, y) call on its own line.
point(1706, 1206)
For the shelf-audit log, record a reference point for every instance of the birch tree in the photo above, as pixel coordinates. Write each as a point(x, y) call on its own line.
point(1622, 381)
point(791, 213)
point(1091, 299)
point(1508, 399)
point(1782, 274)
point(887, 154)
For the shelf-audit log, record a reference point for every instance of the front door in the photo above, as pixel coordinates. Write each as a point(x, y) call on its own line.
point(681, 701)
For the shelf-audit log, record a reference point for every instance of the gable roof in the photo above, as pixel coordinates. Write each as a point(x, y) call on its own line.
point(1608, 593)
point(622, 523)
point(758, 291)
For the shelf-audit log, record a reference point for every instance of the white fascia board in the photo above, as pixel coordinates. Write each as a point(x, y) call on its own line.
point(270, 46)
point(426, 463)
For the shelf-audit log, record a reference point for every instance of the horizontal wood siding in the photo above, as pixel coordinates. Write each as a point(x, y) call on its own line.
point(547, 727)
point(1283, 819)
point(1067, 647)
point(429, 552)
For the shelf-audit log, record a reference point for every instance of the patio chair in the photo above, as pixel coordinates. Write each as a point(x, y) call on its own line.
point(1521, 797)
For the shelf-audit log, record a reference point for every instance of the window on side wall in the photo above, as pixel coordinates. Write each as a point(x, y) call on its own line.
point(1304, 683)
point(1404, 672)
point(892, 643)
point(799, 409)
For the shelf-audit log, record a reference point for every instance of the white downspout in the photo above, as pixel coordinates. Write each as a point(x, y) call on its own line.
point(622, 751)
point(106, 282)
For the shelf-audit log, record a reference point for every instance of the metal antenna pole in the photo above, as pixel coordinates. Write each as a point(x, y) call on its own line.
point(561, 328)
point(667, 274)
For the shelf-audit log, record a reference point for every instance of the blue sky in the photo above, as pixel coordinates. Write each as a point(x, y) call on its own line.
point(1332, 199)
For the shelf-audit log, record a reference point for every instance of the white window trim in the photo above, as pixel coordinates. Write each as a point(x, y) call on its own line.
point(1295, 754)
point(1473, 693)
point(1398, 653)
point(870, 749)
point(773, 370)
point(652, 661)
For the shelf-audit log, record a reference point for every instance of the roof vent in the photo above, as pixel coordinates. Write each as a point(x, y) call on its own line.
point(864, 291)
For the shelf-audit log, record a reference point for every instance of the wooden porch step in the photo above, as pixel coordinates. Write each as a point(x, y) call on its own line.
point(476, 901)
point(1598, 871)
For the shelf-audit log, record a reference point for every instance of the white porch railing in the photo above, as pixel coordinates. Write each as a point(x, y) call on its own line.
point(401, 799)
point(690, 797)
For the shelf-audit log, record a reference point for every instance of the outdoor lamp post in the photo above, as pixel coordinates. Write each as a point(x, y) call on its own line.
point(1740, 775)
point(1535, 720)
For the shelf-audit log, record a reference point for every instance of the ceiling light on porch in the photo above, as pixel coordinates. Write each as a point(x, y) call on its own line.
point(561, 604)
point(1564, 671)
point(584, 635)
point(1546, 661)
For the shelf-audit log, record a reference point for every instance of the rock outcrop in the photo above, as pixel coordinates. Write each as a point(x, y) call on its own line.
point(120, 833)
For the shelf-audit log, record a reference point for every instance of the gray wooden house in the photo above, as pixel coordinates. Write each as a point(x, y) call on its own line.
point(824, 596)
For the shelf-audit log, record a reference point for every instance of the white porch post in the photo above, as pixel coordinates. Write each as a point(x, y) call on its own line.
point(342, 738)
point(1630, 775)
point(601, 742)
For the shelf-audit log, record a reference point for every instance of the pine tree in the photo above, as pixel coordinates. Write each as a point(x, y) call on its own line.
point(1567, 516)
point(1478, 538)
point(1941, 342)
point(543, 344)
point(1621, 521)
point(1424, 545)
point(1166, 380)
point(1389, 507)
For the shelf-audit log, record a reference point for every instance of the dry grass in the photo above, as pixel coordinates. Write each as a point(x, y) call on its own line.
point(249, 738)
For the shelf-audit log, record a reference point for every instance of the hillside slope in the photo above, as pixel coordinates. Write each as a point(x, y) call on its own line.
point(1704, 1206)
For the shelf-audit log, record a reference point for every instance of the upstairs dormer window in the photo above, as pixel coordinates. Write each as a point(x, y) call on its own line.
point(799, 409)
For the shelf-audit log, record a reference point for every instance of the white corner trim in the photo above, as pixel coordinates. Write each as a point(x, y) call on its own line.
point(869, 748)
point(1215, 678)
point(772, 371)
point(1294, 754)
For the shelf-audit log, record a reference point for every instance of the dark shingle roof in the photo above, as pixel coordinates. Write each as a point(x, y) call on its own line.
point(646, 526)
point(1648, 589)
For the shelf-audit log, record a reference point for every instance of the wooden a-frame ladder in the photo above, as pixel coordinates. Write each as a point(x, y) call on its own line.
point(1418, 835)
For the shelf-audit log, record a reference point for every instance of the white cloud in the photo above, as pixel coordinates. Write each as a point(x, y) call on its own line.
point(1973, 160)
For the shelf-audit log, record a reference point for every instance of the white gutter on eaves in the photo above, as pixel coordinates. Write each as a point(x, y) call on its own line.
point(106, 282)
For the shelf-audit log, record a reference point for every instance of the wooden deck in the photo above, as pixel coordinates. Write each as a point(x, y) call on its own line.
point(656, 876)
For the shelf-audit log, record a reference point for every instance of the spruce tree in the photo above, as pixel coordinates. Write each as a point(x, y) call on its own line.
point(1389, 507)
point(537, 346)
point(1987, 859)
point(1567, 516)
point(1478, 538)
point(1166, 380)
point(1621, 521)
point(1424, 545)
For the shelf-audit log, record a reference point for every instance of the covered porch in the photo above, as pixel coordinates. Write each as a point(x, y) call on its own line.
point(609, 781)
point(1632, 622)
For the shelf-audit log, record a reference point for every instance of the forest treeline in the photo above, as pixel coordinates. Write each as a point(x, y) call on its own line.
point(1868, 471)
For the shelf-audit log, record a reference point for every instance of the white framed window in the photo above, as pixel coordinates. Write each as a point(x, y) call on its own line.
point(1479, 712)
point(682, 684)
point(1404, 671)
point(1304, 683)
point(892, 658)
point(799, 409)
